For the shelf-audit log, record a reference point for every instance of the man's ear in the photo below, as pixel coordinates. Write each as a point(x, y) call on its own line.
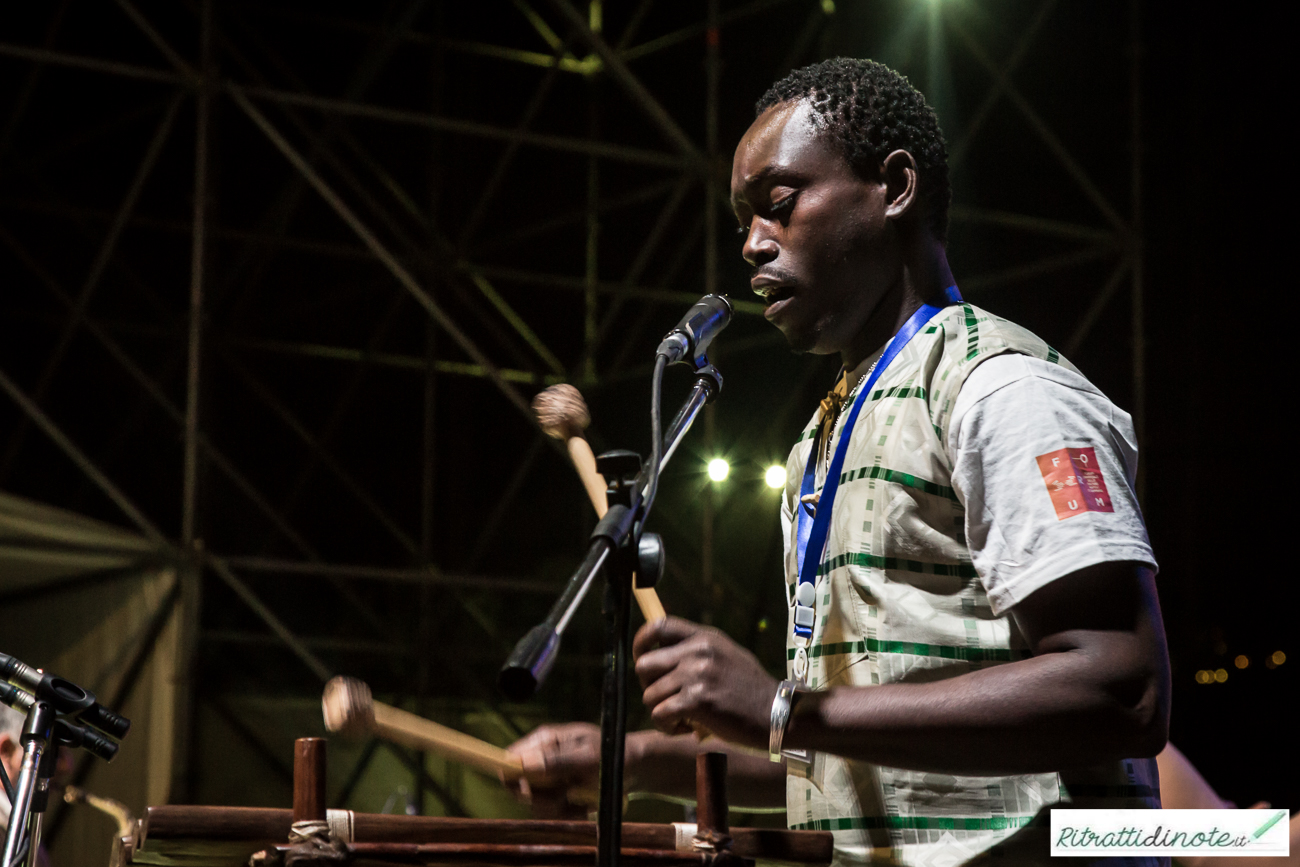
point(900, 176)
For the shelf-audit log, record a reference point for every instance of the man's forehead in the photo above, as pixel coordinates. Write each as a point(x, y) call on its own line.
point(776, 139)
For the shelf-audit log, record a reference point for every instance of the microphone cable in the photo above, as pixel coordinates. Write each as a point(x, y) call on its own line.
point(656, 434)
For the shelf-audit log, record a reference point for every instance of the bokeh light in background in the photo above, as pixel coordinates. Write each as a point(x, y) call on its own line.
point(719, 469)
point(775, 476)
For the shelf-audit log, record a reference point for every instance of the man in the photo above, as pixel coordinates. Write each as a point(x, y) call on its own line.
point(979, 637)
point(11, 754)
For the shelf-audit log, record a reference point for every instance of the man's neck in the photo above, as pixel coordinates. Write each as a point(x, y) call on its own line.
point(854, 375)
point(923, 279)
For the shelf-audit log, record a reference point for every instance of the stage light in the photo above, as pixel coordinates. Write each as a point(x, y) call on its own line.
point(775, 476)
point(1278, 658)
point(1221, 675)
point(1241, 661)
point(719, 470)
point(1204, 676)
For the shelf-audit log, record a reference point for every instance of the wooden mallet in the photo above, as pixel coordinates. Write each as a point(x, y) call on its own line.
point(562, 414)
point(350, 709)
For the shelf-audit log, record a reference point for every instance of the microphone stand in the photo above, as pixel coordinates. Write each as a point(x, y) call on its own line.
point(36, 736)
point(43, 732)
point(618, 546)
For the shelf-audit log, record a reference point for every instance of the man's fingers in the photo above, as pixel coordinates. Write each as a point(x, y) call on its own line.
point(538, 739)
point(552, 755)
point(671, 715)
point(535, 751)
point(655, 664)
point(663, 633)
point(659, 689)
point(520, 789)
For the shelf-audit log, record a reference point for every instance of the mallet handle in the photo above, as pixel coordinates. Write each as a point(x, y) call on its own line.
point(585, 463)
point(403, 727)
point(646, 599)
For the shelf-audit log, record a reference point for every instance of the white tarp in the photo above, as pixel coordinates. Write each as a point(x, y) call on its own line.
point(96, 604)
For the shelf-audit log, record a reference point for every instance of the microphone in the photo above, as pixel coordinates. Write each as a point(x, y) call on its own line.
point(692, 336)
point(65, 732)
point(18, 699)
point(72, 735)
point(66, 696)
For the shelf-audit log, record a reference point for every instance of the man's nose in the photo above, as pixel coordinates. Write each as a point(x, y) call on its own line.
point(760, 247)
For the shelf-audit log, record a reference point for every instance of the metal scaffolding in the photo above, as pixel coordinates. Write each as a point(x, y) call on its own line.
point(328, 162)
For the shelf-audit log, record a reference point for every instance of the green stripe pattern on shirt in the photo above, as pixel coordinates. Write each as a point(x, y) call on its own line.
point(915, 823)
point(940, 651)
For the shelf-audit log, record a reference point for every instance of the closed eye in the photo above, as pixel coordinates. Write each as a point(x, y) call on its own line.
point(777, 210)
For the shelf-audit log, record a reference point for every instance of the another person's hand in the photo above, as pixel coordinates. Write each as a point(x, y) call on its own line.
point(561, 767)
point(696, 675)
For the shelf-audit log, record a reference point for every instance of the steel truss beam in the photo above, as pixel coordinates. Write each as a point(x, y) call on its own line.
point(97, 268)
point(202, 83)
point(128, 508)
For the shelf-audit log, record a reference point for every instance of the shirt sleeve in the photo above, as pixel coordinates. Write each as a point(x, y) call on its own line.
point(1045, 465)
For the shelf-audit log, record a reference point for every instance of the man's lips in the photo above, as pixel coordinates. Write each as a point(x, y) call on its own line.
point(776, 295)
point(771, 290)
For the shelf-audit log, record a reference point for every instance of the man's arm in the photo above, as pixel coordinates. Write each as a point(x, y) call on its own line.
point(1183, 788)
point(666, 764)
point(1095, 689)
point(559, 759)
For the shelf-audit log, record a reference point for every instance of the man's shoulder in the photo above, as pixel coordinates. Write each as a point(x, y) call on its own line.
point(964, 338)
point(971, 334)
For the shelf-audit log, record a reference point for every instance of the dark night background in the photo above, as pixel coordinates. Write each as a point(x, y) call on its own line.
point(290, 292)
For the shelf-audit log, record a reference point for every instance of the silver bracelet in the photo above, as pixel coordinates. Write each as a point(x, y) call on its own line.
point(780, 717)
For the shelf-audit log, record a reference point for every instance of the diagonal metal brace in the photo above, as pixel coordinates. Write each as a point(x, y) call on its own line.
point(382, 253)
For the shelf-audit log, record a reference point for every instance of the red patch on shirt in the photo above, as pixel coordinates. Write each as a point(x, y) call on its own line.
point(1074, 482)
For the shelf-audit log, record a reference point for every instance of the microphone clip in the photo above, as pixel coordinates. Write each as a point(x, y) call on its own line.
point(710, 375)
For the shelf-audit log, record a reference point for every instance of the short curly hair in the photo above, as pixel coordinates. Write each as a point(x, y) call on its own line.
point(873, 111)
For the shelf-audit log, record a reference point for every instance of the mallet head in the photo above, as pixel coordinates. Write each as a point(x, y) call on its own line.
point(561, 411)
point(348, 706)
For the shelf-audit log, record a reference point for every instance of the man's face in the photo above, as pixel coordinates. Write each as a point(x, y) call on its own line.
point(12, 756)
point(816, 233)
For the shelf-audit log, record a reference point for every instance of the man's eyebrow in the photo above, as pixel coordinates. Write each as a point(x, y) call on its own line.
point(765, 173)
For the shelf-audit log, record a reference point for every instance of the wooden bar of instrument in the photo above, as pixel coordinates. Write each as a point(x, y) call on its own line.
point(169, 829)
point(202, 836)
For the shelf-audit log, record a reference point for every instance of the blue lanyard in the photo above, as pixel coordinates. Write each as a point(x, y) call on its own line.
point(812, 532)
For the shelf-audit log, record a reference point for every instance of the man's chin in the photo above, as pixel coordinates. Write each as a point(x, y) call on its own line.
point(798, 341)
